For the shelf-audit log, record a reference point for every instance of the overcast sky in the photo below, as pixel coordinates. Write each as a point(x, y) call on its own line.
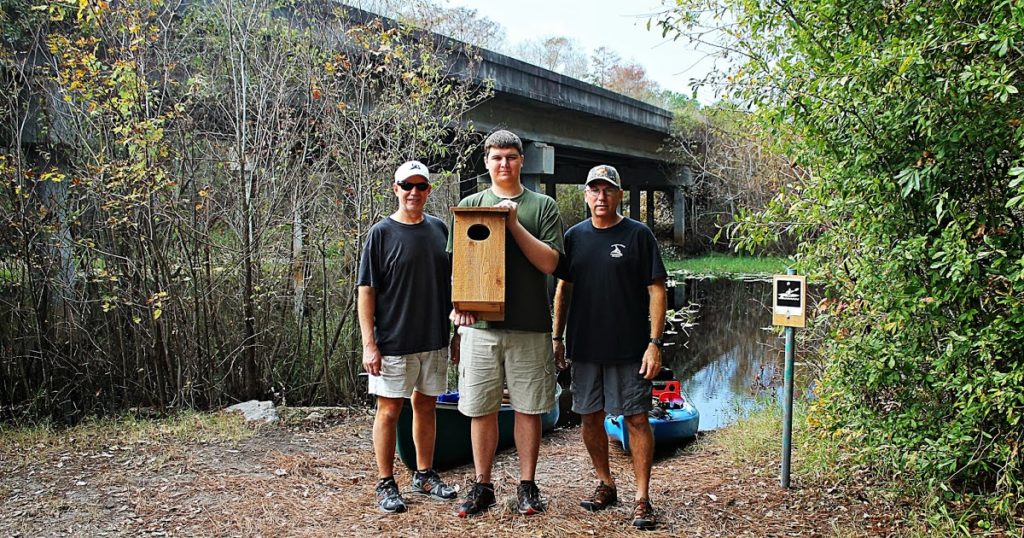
point(620, 25)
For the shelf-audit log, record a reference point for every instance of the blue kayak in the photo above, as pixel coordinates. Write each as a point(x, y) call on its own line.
point(672, 419)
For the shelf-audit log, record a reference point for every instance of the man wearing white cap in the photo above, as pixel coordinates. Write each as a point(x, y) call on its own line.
point(612, 282)
point(404, 300)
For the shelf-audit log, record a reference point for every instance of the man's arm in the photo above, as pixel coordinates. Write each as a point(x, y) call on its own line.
point(367, 307)
point(563, 294)
point(658, 301)
point(540, 254)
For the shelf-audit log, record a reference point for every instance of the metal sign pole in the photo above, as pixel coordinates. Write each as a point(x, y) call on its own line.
point(787, 420)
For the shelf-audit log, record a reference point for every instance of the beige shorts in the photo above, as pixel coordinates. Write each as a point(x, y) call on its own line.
point(426, 373)
point(491, 359)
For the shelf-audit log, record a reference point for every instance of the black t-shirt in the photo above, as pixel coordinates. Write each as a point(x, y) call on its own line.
point(610, 269)
point(410, 271)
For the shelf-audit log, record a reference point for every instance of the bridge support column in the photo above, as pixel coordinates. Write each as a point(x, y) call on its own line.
point(678, 215)
point(530, 181)
point(538, 161)
point(551, 188)
point(650, 208)
point(634, 202)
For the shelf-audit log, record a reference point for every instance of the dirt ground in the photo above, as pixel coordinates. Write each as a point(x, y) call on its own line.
point(317, 479)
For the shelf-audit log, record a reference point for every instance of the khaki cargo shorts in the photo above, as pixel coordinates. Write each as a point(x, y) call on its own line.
point(425, 372)
point(493, 358)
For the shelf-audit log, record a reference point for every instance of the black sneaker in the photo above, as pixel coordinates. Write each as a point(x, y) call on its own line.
point(388, 498)
point(479, 499)
point(643, 516)
point(529, 498)
point(429, 483)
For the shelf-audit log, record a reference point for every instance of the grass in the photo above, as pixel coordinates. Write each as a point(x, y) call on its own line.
point(128, 429)
point(756, 440)
point(9, 273)
point(718, 264)
point(820, 462)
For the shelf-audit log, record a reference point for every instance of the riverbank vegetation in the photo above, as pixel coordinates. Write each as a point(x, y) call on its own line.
point(718, 264)
point(185, 188)
point(902, 125)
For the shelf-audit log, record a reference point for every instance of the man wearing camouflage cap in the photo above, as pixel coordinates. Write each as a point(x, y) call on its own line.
point(612, 283)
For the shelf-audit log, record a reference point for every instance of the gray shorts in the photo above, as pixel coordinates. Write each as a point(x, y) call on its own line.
point(618, 389)
point(494, 358)
point(425, 372)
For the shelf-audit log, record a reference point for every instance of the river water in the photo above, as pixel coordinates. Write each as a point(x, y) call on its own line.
point(728, 355)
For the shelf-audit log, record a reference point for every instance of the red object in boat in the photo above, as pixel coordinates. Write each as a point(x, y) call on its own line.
point(668, 392)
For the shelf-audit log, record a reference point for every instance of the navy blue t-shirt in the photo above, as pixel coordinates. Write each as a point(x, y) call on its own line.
point(410, 271)
point(610, 269)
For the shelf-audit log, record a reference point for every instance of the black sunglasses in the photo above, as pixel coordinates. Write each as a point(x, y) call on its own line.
point(406, 186)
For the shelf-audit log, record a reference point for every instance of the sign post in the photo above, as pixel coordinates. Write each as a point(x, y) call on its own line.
point(789, 300)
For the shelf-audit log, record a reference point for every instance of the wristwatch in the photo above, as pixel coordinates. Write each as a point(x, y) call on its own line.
point(657, 342)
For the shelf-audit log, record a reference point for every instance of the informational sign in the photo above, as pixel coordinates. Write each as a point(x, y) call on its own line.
point(789, 302)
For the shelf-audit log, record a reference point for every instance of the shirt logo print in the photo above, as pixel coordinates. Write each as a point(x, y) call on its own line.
point(617, 250)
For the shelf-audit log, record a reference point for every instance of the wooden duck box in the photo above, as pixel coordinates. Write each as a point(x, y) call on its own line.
point(478, 261)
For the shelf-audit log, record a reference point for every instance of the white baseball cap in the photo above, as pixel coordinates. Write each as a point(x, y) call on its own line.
point(410, 169)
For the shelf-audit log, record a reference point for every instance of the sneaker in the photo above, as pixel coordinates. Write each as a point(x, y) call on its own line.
point(643, 516)
point(479, 499)
point(529, 498)
point(429, 483)
point(388, 498)
point(603, 497)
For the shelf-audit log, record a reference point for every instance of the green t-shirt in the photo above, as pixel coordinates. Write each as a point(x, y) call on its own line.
point(526, 291)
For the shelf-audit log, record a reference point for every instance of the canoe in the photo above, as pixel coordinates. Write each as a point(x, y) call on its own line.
point(452, 446)
point(673, 419)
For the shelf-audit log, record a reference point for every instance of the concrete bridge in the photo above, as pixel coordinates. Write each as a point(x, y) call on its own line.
point(569, 126)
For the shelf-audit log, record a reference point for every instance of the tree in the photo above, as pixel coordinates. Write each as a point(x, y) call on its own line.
point(464, 24)
point(603, 60)
point(218, 167)
point(556, 53)
point(735, 171)
point(631, 79)
point(904, 119)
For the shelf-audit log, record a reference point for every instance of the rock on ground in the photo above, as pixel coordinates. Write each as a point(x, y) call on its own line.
point(255, 410)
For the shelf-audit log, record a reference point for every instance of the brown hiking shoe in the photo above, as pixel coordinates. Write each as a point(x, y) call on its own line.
point(643, 515)
point(603, 497)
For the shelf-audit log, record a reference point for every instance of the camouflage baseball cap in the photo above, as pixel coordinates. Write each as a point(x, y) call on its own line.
point(604, 172)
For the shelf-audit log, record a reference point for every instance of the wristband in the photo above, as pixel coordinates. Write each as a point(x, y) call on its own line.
point(557, 338)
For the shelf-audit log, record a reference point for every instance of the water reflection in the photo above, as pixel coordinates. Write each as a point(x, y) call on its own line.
point(731, 354)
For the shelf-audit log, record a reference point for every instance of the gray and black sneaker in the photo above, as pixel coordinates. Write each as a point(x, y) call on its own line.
point(529, 498)
point(479, 499)
point(388, 498)
point(429, 483)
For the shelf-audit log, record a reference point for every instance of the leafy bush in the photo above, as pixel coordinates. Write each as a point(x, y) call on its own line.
point(904, 119)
